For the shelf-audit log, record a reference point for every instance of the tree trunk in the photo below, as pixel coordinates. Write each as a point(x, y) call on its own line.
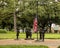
point(15, 27)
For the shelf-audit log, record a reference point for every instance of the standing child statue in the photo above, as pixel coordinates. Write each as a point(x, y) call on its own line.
point(28, 33)
point(42, 34)
point(17, 33)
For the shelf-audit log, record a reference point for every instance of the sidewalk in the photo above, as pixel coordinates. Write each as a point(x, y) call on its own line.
point(51, 43)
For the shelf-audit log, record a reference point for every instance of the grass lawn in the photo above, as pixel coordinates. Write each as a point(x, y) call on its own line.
point(22, 46)
point(22, 35)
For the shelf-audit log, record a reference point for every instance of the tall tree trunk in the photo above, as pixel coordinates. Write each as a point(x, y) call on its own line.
point(15, 27)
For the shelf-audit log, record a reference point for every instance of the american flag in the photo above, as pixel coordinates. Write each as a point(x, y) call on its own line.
point(35, 24)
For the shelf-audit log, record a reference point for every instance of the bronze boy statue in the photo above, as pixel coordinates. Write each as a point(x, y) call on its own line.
point(28, 33)
point(42, 33)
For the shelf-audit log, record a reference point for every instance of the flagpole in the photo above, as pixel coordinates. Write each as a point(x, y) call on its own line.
point(37, 17)
point(35, 25)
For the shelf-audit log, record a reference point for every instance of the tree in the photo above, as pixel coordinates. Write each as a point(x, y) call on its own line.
point(47, 10)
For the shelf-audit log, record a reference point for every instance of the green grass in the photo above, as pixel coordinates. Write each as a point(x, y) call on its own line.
point(52, 36)
point(22, 35)
point(12, 35)
point(22, 46)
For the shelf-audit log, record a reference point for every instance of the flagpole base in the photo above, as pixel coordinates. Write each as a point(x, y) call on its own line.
point(29, 39)
point(39, 40)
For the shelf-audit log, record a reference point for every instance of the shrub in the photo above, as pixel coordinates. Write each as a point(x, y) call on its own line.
point(58, 46)
point(3, 31)
point(22, 46)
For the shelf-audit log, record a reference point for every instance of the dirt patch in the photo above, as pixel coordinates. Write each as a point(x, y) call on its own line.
point(51, 43)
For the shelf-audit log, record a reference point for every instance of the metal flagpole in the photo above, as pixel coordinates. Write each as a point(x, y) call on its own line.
point(37, 17)
point(35, 25)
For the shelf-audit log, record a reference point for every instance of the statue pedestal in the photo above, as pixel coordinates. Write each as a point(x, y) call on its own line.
point(29, 39)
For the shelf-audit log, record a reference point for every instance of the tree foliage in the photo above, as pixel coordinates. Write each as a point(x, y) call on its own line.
point(26, 11)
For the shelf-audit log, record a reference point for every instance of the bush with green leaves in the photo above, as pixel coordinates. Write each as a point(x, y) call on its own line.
point(3, 31)
point(58, 46)
point(23, 46)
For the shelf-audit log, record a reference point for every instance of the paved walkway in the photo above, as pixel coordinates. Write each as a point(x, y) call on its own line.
point(51, 43)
